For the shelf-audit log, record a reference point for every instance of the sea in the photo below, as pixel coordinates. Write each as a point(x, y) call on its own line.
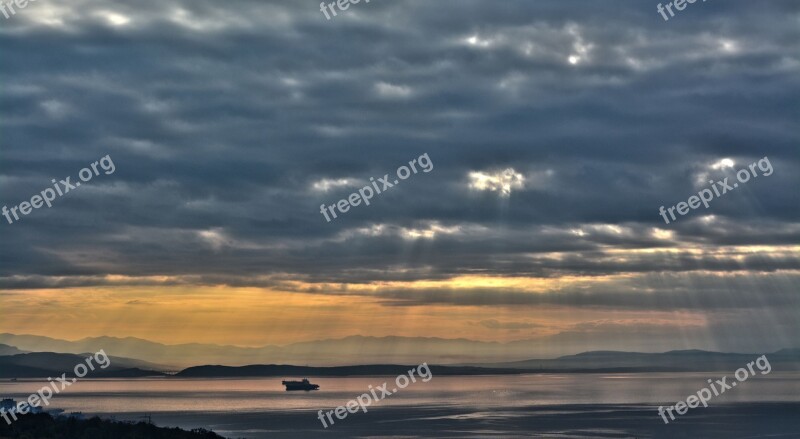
point(586, 405)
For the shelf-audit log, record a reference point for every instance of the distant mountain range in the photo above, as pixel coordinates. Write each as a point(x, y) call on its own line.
point(133, 353)
point(43, 364)
point(50, 364)
point(9, 350)
point(589, 362)
point(688, 361)
point(349, 350)
point(338, 371)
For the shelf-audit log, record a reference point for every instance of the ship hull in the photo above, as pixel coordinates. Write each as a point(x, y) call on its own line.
point(297, 387)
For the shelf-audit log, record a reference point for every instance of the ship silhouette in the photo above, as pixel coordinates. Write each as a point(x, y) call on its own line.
point(300, 385)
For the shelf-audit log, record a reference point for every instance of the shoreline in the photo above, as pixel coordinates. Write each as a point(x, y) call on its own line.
point(723, 420)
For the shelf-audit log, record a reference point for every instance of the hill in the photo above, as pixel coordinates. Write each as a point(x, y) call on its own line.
point(589, 362)
point(44, 426)
point(677, 361)
point(50, 364)
point(9, 350)
point(274, 370)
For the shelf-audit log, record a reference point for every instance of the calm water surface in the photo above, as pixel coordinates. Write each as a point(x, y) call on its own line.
point(212, 403)
point(173, 394)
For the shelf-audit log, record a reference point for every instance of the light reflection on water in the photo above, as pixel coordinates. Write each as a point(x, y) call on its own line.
point(266, 394)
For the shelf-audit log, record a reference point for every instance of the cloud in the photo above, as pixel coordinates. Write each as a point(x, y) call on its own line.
point(326, 184)
point(231, 123)
point(392, 91)
point(502, 182)
point(511, 326)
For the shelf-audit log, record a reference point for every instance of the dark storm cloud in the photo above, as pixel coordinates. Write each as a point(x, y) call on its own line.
point(220, 117)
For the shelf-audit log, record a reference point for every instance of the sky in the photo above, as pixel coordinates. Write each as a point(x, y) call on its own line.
point(554, 132)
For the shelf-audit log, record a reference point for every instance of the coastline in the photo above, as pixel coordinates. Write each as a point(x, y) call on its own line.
point(724, 421)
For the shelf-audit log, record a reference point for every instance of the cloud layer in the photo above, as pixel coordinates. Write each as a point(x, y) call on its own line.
point(556, 131)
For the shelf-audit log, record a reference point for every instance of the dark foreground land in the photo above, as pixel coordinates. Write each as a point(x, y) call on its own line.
point(44, 426)
point(723, 421)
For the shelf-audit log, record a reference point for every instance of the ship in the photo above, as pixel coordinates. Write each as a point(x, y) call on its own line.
point(300, 385)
